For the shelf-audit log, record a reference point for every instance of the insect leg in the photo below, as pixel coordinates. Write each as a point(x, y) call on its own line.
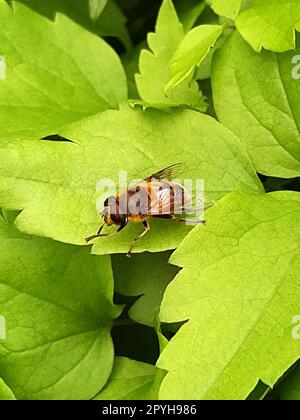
point(100, 229)
point(146, 230)
point(90, 238)
point(100, 235)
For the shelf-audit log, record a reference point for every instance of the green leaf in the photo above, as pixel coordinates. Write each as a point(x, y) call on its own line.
point(58, 304)
point(96, 8)
point(256, 97)
point(239, 290)
point(5, 392)
point(130, 61)
point(51, 79)
point(189, 12)
point(55, 182)
point(204, 69)
point(192, 50)
point(270, 24)
point(110, 21)
point(154, 65)
point(130, 380)
point(146, 275)
point(228, 8)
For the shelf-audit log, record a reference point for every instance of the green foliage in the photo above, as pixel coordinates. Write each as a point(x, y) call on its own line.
point(228, 8)
point(270, 24)
point(241, 270)
point(154, 70)
point(55, 182)
point(156, 274)
point(112, 22)
point(102, 17)
point(58, 343)
point(260, 106)
point(191, 52)
point(5, 392)
point(130, 380)
point(205, 312)
point(61, 84)
point(96, 8)
point(189, 12)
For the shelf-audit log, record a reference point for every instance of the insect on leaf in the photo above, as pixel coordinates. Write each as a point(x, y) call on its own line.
point(56, 182)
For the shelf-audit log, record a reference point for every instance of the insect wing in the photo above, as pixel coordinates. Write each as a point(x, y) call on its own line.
point(170, 198)
point(170, 172)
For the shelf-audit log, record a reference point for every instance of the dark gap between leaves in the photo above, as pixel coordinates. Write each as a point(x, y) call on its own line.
point(278, 184)
point(56, 137)
point(138, 342)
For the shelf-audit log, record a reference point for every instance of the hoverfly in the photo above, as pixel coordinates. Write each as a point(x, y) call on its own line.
point(155, 197)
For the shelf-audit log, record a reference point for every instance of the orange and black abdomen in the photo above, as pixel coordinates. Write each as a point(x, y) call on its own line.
point(171, 198)
point(153, 198)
